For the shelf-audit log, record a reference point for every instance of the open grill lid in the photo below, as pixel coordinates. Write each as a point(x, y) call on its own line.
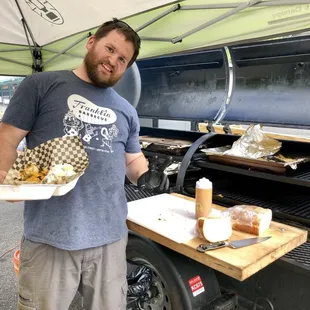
point(266, 82)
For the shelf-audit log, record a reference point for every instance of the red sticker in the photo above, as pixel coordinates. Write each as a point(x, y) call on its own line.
point(196, 286)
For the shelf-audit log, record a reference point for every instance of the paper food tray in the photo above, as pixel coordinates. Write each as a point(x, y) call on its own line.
point(63, 150)
point(35, 191)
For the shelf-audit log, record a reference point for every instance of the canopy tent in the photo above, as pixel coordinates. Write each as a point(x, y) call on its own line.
point(48, 35)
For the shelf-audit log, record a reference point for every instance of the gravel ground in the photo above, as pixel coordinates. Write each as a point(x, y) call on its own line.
point(11, 225)
point(11, 229)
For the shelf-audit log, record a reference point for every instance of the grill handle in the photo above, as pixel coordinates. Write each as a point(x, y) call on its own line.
point(187, 159)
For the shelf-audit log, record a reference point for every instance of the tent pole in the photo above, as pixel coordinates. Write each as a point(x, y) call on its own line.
point(236, 4)
point(35, 53)
point(160, 16)
point(25, 24)
point(178, 39)
point(15, 62)
point(66, 49)
point(14, 50)
point(155, 39)
point(56, 52)
point(34, 50)
point(217, 19)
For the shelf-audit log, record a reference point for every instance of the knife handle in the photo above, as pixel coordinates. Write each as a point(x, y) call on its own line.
point(211, 246)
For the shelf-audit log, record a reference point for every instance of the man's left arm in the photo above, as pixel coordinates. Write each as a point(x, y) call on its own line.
point(148, 176)
point(136, 165)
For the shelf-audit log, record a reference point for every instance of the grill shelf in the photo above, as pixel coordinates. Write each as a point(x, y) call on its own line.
point(299, 177)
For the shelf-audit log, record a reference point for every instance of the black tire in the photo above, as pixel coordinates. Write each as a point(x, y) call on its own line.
point(173, 294)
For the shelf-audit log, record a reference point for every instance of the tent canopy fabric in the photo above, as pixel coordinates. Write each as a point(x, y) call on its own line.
point(51, 35)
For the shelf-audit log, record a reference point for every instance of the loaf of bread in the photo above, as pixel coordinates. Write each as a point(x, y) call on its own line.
point(251, 219)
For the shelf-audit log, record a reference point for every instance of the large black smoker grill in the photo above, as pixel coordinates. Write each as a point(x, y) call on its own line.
point(266, 83)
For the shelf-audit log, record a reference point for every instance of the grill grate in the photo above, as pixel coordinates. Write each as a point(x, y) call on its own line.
point(295, 206)
point(280, 198)
point(133, 193)
point(301, 254)
point(286, 203)
point(302, 175)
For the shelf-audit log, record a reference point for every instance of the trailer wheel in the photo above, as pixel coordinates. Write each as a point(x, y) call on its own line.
point(167, 291)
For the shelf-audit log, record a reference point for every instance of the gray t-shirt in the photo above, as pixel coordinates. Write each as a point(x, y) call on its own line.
point(55, 104)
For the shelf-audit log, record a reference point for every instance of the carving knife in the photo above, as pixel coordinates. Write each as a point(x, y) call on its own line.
point(235, 244)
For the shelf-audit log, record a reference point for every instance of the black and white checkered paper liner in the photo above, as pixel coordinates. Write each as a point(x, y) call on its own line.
point(63, 150)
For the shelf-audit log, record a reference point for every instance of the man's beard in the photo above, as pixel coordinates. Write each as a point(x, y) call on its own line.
point(92, 71)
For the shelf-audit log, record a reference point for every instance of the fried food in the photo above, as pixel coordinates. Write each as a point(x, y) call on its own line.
point(57, 174)
point(33, 174)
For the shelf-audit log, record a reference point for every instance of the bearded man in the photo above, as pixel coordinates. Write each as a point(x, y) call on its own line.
point(78, 241)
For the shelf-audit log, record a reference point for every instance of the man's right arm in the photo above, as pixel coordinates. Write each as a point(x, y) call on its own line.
point(10, 137)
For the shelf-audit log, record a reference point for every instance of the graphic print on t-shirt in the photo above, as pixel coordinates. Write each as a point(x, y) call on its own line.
point(95, 125)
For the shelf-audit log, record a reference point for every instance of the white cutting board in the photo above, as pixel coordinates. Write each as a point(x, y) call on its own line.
point(170, 216)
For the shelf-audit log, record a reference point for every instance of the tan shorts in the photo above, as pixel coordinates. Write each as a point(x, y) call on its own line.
point(50, 277)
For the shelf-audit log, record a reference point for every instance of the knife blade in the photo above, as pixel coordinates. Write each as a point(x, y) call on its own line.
point(235, 244)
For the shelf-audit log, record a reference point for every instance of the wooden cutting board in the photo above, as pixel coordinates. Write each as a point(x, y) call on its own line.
point(236, 263)
point(167, 215)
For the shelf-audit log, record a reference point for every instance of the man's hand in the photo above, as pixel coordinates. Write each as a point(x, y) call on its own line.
point(10, 137)
point(155, 178)
point(2, 176)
